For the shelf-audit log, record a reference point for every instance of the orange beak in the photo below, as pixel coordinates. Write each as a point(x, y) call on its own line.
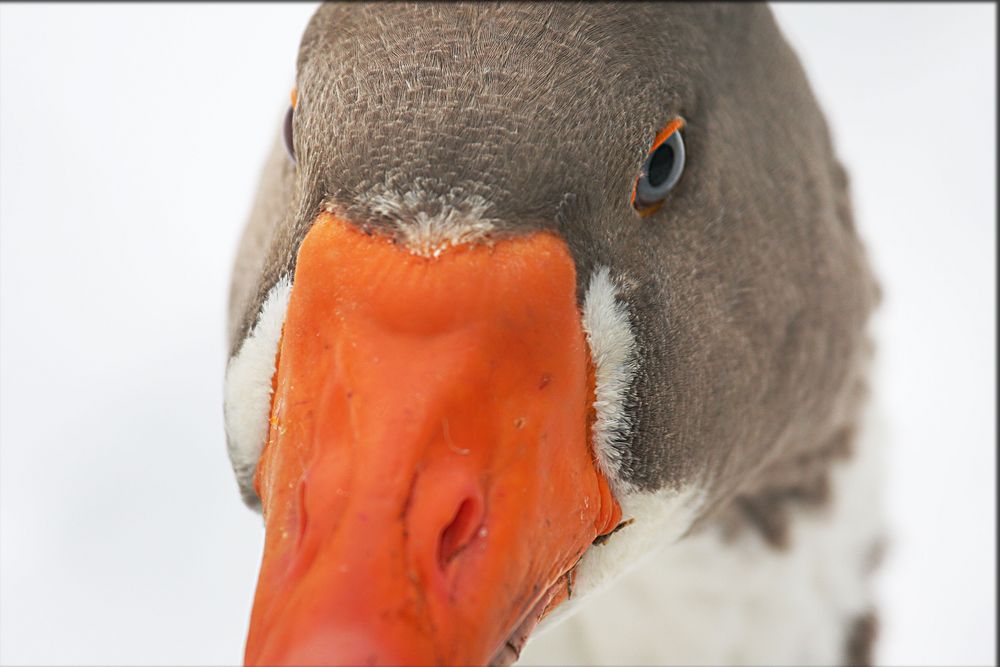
point(427, 483)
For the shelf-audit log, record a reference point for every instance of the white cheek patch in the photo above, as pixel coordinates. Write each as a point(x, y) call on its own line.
point(247, 393)
point(613, 352)
point(652, 518)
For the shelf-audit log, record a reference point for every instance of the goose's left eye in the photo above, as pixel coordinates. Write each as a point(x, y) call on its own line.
point(661, 170)
point(286, 133)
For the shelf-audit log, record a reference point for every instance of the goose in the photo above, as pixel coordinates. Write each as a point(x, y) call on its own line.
point(550, 320)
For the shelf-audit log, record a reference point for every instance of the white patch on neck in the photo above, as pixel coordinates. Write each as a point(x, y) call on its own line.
point(613, 352)
point(656, 519)
point(706, 600)
point(429, 223)
point(247, 393)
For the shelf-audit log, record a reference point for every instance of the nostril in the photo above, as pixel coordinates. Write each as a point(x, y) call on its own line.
point(459, 532)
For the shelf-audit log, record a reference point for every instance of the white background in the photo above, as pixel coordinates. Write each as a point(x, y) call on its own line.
point(132, 137)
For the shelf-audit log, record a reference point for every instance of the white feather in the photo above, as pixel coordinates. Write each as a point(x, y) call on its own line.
point(429, 223)
point(654, 519)
point(613, 352)
point(247, 393)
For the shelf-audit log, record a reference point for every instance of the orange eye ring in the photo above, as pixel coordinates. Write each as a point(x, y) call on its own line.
point(664, 164)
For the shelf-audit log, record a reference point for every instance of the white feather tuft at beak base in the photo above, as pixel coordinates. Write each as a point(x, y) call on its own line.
point(248, 388)
point(613, 352)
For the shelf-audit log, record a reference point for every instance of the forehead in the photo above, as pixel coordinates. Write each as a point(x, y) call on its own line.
point(518, 103)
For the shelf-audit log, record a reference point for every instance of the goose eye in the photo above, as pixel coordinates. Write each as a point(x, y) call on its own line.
point(661, 171)
point(287, 134)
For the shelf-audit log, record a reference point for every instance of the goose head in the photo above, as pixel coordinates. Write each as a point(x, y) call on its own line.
point(527, 291)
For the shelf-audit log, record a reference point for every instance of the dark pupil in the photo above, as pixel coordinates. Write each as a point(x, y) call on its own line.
point(659, 166)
